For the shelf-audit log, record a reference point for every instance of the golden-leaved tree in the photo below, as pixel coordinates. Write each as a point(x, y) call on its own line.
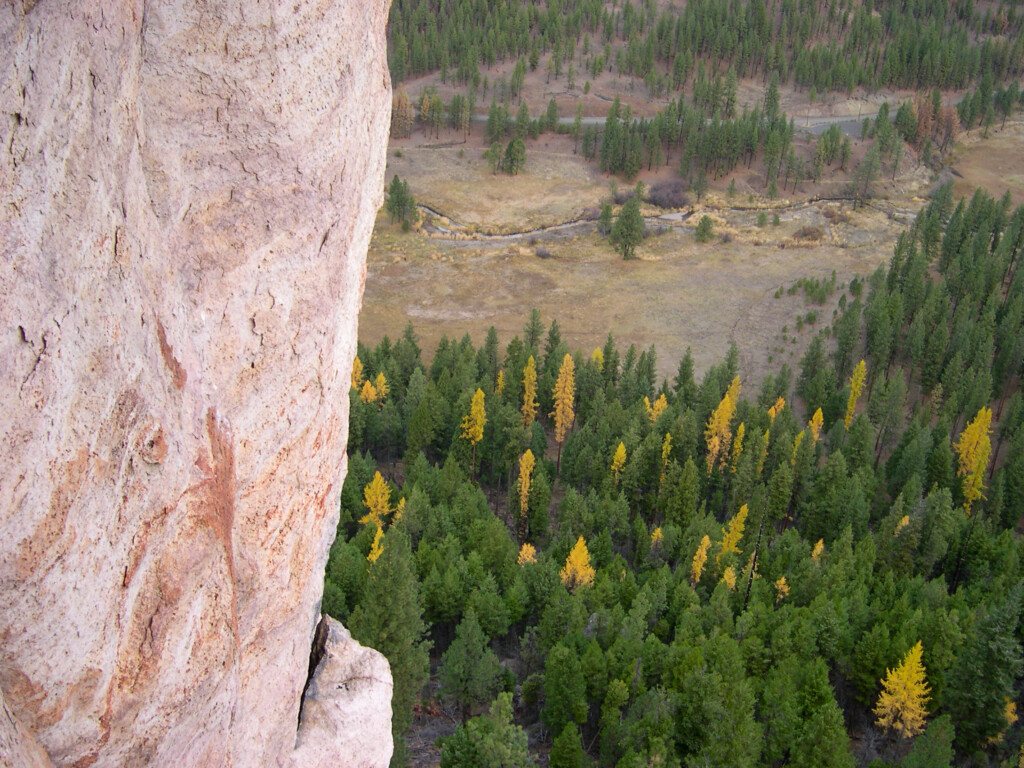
point(368, 394)
point(856, 387)
point(526, 465)
point(658, 408)
point(377, 499)
point(357, 374)
point(718, 433)
point(972, 451)
point(737, 446)
point(700, 558)
point(618, 461)
point(815, 424)
point(564, 396)
point(529, 409)
point(578, 571)
point(473, 422)
point(902, 704)
point(733, 534)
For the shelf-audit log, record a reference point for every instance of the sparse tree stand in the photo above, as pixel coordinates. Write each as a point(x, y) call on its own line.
point(628, 230)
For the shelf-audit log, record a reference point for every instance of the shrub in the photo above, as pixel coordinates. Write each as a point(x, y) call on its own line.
point(543, 253)
point(808, 233)
point(669, 194)
point(762, 219)
point(620, 196)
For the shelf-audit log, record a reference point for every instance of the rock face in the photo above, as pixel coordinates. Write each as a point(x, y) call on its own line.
point(189, 188)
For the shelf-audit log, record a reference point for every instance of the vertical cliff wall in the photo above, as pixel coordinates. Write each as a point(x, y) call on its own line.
point(188, 192)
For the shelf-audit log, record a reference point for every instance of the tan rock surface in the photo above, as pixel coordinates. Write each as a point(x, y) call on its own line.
point(188, 193)
point(349, 688)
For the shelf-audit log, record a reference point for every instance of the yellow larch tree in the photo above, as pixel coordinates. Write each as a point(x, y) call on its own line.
point(526, 465)
point(618, 461)
point(657, 536)
point(718, 433)
point(903, 523)
point(700, 559)
point(529, 409)
point(578, 571)
point(527, 554)
point(499, 385)
point(658, 408)
point(781, 589)
point(733, 534)
point(377, 499)
point(737, 447)
point(796, 445)
point(597, 357)
point(564, 395)
point(381, 385)
point(902, 704)
point(972, 451)
point(473, 422)
point(377, 548)
point(815, 424)
point(357, 374)
point(368, 394)
point(818, 550)
point(729, 577)
point(776, 409)
point(856, 387)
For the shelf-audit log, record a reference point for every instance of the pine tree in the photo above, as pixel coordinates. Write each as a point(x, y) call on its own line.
point(469, 668)
point(972, 449)
point(390, 619)
point(578, 571)
point(565, 699)
point(529, 409)
point(564, 394)
point(902, 705)
point(488, 741)
point(628, 230)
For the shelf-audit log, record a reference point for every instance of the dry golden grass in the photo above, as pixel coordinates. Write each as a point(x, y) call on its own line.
point(678, 294)
point(995, 164)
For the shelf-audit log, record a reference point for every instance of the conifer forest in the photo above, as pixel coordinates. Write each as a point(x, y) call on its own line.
point(570, 559)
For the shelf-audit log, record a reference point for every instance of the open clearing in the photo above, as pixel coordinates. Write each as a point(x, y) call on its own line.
point(995, 163)
point(679, 293)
